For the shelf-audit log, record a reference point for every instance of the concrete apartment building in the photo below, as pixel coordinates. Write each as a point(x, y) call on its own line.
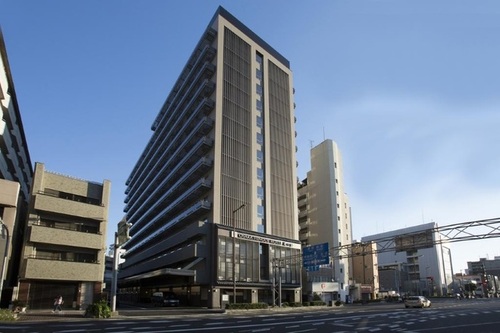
point(64, 248)
point(16, 174)
point(325, 217)
point(421, 263)
point(485, 266)
point(488, 271)
point(212, 200)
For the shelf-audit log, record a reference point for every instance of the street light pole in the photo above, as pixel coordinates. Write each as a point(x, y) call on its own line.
point(234, 251)
point(116, 263)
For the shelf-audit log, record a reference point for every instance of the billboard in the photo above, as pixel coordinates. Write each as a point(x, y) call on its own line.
point(420, 240)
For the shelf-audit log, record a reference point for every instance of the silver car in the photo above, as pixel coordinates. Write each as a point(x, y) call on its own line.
point(417, 302)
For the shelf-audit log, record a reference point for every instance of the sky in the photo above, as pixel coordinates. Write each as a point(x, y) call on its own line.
point(408, 89)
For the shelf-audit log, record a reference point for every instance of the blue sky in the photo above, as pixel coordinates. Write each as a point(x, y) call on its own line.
point(409, 89)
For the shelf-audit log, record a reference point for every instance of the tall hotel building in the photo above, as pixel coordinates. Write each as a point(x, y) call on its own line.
point(325, 217)
point(219, 168)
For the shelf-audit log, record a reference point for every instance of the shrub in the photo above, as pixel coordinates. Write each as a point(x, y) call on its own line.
point(246, 306)
point(99, 309)
point(338, 303)
point(7, 315)
point(17, 303)
point(295, 304)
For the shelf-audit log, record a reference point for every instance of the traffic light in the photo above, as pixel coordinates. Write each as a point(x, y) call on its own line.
point(123, 232)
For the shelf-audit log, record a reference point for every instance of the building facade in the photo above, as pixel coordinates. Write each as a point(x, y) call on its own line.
point(485, 266)
point(64, 250)
point(364, 281)
point(325, 215)
point(489, 271)
point(16, 174)
point(420, 261)
point(212, 199)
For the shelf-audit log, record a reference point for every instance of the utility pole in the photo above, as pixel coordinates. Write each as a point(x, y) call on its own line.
point(121, 237)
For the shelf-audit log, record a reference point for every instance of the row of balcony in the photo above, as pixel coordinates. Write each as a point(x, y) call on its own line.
point(179, 138)
point(205, 56)
point(43, 269)
point(170, 260)
point(134, 256)
point(64, 237)
point(174, 207)
point(57, 205)
point(170, 156)
point(195, 211)
point(193, 162)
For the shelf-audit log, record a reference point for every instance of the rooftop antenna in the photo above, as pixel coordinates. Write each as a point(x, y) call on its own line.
point(324, 136)
point(311, 142)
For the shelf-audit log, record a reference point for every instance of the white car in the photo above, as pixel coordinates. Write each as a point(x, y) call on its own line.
point(417, 302)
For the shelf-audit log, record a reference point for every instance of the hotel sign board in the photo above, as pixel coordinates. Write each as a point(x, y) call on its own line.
point(266, 240)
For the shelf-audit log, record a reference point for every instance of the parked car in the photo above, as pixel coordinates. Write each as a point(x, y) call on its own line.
point(160, 298)
point(417, 302)
point(170, 299)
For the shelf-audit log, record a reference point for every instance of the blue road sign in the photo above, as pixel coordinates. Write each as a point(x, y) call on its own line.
point(315, 255)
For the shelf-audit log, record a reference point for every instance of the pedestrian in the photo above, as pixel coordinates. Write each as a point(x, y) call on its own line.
point(58, 302)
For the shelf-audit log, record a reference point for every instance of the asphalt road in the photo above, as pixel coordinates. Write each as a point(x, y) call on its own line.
point(445, 315)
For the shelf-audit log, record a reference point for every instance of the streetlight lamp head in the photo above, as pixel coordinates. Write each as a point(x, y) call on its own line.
point(240, 207)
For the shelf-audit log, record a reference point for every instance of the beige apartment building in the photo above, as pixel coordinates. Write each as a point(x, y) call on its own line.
point(325, 217)
point(64, 248)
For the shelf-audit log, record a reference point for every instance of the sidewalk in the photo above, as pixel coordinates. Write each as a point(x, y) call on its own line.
point(48, 315)
point(76, 315)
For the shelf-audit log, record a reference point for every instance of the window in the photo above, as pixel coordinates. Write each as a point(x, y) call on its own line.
point(259, 89)
point(260, 138)
point(260, 211)
point(260, 123)
point(258, 74)
point(260, 174)
point(260, 192)
point(260, 156)
point(259, 105)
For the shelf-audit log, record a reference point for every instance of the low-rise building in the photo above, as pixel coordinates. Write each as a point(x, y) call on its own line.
point(64, 248)
point(419, 258)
